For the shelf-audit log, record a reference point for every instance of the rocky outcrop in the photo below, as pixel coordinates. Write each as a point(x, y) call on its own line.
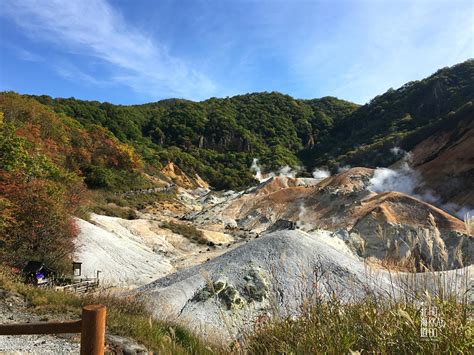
point(344, 201)
point(180, 178)
point(250, 280)
point(424, 247)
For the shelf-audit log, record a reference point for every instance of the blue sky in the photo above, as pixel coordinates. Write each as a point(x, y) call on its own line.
point(136, 51)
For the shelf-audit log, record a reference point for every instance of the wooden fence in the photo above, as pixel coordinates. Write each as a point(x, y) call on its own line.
point(91, 327)
point(81, 286)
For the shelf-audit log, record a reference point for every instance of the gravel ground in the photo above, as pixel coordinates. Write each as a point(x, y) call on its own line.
point(37, 344)
point(13, 310)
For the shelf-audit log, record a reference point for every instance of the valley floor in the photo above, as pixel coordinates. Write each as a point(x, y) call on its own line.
point(223, 263)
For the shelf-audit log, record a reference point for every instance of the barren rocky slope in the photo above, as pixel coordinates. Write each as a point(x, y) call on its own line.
point(374, 224)
point(271, 275)
point(273, 247)
point(132, 253)
point(386, 225)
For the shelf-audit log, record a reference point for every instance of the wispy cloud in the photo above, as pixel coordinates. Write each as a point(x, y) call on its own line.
point(94, 28)
point(23, 54)
point(71, 72)
point(377, 45)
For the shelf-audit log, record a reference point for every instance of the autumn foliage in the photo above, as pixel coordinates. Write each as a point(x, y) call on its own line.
point(47, 161)
point(39, 224)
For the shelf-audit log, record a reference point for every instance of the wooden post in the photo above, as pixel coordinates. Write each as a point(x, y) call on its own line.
point(93, 330)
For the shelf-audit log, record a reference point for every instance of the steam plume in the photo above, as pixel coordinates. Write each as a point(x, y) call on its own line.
point(285, 171)
point(321, 173)
point(258, 171)
point(408, 181)
point(288, 171)
point(300, 223)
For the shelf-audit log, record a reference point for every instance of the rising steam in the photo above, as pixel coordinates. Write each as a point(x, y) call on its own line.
point(285, 171)
point(408, 181)
point(289, 172)
point(321, 173)
point(258, 171)
point(301, 215)
point(404, 179)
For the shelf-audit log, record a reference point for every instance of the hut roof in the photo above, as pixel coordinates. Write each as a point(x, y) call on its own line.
point(37, 266)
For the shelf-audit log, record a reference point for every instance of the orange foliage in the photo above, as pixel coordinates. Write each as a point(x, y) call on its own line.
point(43, 228)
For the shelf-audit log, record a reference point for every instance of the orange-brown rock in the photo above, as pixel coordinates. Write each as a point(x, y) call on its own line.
point(446, 163)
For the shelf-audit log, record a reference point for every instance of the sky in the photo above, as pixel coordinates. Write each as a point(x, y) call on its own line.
point(131, 52)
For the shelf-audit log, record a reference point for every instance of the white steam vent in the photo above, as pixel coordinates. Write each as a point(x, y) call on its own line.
point(321, 173)
point(408, 181)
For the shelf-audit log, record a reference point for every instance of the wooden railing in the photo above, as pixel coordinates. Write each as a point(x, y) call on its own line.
point(91, 327)
point(82, 286)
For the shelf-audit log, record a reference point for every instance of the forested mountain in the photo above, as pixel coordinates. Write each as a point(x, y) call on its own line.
point(218, 138)
point(401, 117)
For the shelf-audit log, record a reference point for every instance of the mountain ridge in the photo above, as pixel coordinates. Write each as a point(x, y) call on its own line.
point(219, 134)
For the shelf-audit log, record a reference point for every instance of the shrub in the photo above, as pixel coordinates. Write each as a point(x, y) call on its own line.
point(41, 227)
point(186, 230)
point(97, 177)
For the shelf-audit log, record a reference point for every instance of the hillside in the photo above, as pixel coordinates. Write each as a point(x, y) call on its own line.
point(445, 160)
point(47, 161)
point(399, 118)
point(218, 138)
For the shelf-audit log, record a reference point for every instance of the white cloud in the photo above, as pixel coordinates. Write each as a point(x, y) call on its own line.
point(94, 28)
point(375, 45)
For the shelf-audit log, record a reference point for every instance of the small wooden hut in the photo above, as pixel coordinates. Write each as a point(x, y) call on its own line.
point(37, 273)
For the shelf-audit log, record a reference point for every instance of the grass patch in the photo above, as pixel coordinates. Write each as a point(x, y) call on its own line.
point(366, 326)
point(142, 200)
point(374, 324)
point(186, 230)
point(125, 205)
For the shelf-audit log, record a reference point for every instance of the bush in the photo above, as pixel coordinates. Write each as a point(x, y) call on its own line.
point(97, 177)
point(186, 230)
point(40, 225)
